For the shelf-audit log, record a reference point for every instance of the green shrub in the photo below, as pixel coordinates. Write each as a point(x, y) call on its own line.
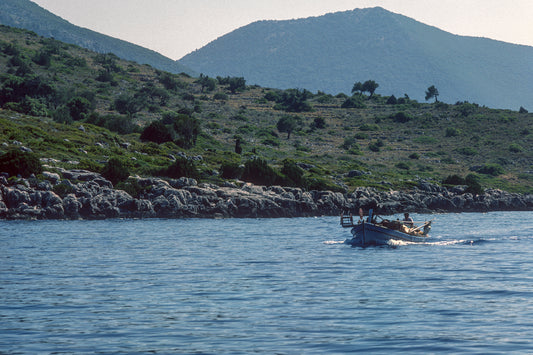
point(231, 170)
point(452, 132)
point(62, 190)
point(321, 184)
point(220, 96)
point(469, 151)
point(131, 186)
point(361, 135)
point(353, 102)
point(402, 165)
point(156, 132)
point(473, 185)
point(258, 171)
point(369, 127)
point(414, 156)
point(376, 146)
point(491, 169)
point(318, 123)
point(15, 162)
point(182, 167)
point(515, 148)
point(115, 171)
point(392, 100)
point(401, 117)
point(293, 173)
point(454, 179)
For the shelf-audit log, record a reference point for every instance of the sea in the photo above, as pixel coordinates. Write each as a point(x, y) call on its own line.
point(265, 286)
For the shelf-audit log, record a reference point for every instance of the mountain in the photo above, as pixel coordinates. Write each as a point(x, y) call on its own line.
point(331, 52)
point(28, 15)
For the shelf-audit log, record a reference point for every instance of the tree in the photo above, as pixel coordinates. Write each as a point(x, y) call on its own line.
point(294, 100)
point(370, 86)
point(207, 83)
point(287, 124)
point(129, 105)
point(238, 146)
point(357, 87)
point(187, 128)
point(236, 84)
point(432, 92)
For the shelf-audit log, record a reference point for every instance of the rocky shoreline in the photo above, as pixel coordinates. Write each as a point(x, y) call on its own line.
point(87, 195)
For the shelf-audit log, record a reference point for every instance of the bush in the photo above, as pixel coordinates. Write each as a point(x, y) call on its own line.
point(369, 127)
point(376, 146)
point(473, 185)
point(115, 171)
point(392, 100)
point(467, 151)
point(156, 132)
point(182, 167)
point(15, 162)
point(353, 102)
point(63, 189)
point(293, 173)
point(231, 170)
point(294, 100)
point(515, 148)
point(452, 132)
point(414, 156)
point(132, 187)
point(220, 96)
point(454, 180)
point(402, 165)
point(491, 169)
point(401, 117)
point(258, 171)
point(318, 123)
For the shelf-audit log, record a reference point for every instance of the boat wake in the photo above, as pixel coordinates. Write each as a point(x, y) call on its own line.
point(330, 242)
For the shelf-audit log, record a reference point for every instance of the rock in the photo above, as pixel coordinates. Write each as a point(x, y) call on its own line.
point(52, 177)
point(71, 206)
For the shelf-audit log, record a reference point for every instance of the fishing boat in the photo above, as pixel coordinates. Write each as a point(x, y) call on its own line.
point(368, 231)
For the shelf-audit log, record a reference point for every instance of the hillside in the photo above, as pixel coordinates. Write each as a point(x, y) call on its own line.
point(28, 15)
point(331, 52)
point(78, 109)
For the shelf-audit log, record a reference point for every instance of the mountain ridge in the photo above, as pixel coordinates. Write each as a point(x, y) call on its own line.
point(28, 15)
point(331, 52)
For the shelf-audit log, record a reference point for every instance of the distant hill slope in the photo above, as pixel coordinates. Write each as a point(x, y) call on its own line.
point(28, 15)
point(331, 52)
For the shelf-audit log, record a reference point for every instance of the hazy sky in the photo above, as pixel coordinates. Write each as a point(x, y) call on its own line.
point(177, 27)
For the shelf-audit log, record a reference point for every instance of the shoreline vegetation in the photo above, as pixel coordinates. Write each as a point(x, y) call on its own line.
point(89, 135)
point(81, 194)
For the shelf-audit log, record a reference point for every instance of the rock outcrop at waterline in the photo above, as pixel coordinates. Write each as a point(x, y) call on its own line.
point(87, 195)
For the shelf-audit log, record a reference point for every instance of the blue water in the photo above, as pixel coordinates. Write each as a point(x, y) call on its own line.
point(267, 286)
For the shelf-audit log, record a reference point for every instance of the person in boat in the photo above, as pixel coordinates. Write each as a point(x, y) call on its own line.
point(408, 221)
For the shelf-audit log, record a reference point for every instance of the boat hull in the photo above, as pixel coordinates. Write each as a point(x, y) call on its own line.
point(367, 234)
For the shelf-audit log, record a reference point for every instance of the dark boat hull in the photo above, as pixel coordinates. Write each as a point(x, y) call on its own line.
point(366, 234)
